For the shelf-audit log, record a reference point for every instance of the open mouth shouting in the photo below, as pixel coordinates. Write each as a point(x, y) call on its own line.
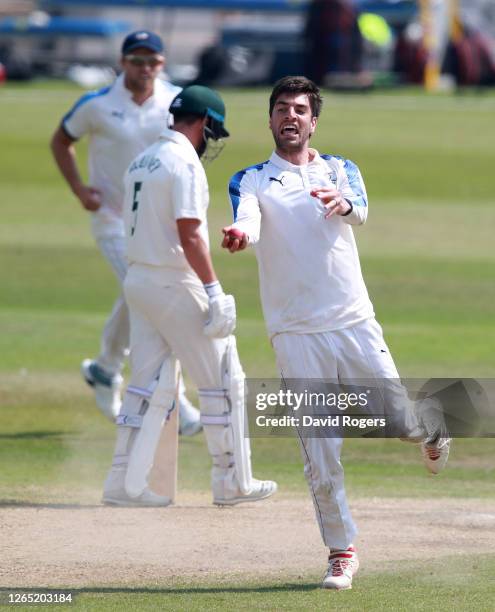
point(289, 129)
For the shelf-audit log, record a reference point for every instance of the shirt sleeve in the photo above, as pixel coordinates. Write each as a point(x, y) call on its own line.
point(188, 191)
point(351, 185)
point(245, 205)
point(79, 120)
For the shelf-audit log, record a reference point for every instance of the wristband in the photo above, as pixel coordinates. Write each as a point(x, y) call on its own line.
point(213, 289)
point(350, 209)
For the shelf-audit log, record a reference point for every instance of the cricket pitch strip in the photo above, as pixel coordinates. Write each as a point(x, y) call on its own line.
point(60, 545)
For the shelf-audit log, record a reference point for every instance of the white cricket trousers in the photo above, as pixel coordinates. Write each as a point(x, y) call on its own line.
point(115, 336)
point(358, 352)
point(168, 310)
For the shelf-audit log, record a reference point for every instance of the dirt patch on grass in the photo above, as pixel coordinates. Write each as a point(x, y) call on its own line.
point(64, 545)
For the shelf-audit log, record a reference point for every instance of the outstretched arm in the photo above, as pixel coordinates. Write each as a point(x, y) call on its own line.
point(246, 211)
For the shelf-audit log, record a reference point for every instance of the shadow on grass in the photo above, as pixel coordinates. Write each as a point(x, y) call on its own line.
point(32, 435)
point(15, 503)
point(19, 503)
point(288, 586)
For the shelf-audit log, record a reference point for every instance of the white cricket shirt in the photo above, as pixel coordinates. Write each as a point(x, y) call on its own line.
point(118, 130)
point(165, 183)
point(310, 276)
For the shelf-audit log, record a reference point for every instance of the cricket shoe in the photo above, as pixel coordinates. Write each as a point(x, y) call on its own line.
point(342, 565)
point(189, 418)
point(435, 447)
point(260, 489)
point(105, 386)
point(435, 453)
point(147, 499)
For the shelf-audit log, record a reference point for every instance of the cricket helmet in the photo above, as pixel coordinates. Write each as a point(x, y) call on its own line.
point(204, 102)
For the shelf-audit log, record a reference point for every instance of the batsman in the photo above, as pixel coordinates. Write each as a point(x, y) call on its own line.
point(178, 311)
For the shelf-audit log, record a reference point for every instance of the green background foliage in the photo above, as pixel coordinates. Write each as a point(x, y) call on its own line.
point(427, 257)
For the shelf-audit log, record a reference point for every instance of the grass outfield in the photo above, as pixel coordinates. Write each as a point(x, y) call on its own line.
point(427, 256)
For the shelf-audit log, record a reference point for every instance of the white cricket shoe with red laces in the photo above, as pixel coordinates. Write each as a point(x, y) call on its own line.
point(435, 447)
point(342, 565)
point(435, 453)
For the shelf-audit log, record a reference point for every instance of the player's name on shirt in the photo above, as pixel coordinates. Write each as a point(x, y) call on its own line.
point(148, 162)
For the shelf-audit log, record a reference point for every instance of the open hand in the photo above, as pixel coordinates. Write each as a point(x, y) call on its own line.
point(332, 200)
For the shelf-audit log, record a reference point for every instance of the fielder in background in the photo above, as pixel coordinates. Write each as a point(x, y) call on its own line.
point(121, 121)
point(178, 310)
point(298, 209)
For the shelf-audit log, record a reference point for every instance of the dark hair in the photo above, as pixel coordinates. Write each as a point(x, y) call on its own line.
point(297, 85)
point(186, 117)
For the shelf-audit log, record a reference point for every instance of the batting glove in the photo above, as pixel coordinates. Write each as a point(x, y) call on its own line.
point(221, 316)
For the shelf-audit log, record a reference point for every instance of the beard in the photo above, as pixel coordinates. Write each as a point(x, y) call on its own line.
point(140, 85)
point(201, 148)
point(293, 146)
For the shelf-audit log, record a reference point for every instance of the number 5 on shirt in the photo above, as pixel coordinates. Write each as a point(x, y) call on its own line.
point(135, 204)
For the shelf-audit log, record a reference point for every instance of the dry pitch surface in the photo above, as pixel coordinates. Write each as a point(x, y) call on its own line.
point(63, 545)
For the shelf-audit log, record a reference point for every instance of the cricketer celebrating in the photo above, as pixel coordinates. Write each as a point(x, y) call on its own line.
point(179, 310)
point(298, 209)
point(121, 121)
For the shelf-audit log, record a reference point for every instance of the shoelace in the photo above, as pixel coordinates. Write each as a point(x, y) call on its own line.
point(339, 566)
point(434, 452)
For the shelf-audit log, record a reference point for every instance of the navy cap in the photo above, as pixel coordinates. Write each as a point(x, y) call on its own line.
point(142, 38)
